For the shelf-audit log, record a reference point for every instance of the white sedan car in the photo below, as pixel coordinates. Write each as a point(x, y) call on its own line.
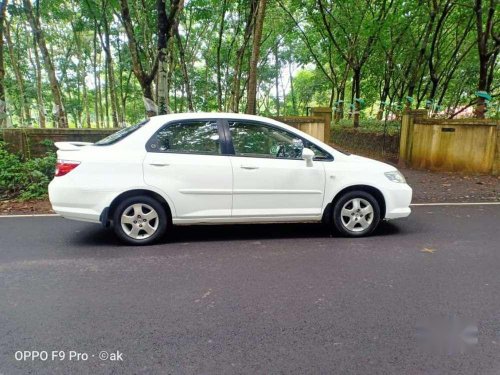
point(209, 168)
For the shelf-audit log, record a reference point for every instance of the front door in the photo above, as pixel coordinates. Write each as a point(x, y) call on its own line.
point(270, 177)
point(185, 161)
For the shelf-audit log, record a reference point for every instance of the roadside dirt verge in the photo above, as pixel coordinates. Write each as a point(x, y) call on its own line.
point(452, 187)
point(12, 207)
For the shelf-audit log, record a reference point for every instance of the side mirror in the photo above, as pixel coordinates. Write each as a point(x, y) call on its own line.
point(308, 156)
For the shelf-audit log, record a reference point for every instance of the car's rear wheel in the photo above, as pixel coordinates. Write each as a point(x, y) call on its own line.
point(356, 214)
point(140, 220)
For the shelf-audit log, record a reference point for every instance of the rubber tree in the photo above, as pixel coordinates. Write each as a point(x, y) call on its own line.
point(167, 27)
point(3, 111)
point(254, 59)
point(35, 24)
point(488, 45)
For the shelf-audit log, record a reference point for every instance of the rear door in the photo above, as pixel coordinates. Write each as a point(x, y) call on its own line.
point(185, 159)
point(271, 180)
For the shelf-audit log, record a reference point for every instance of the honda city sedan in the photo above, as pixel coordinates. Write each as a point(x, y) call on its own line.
point(207, 168)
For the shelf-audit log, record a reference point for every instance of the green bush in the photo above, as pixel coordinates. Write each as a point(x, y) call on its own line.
point(25, 179)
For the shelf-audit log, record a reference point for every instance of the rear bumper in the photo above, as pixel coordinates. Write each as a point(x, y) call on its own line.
point(397, 201)
point(77, 214)
point(78, 204)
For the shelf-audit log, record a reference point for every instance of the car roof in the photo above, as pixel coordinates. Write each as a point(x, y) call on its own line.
point(199, 115)
point(162, 119)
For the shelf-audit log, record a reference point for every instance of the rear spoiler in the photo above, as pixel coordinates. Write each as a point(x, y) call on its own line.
point(71, 146)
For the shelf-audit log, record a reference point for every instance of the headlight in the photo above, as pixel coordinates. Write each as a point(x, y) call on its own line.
point(395, 176)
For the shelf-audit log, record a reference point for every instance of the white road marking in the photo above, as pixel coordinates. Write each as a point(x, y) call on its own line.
point(32, 215)
point(457, 204)
point(413, 205)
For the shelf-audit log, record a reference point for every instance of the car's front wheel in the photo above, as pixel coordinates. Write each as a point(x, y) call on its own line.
point(140, 220)
point(356, 214)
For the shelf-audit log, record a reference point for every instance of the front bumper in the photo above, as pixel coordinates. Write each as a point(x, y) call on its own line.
point(397, 201)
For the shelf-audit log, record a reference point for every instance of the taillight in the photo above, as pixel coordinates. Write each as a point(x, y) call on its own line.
point(65, 166)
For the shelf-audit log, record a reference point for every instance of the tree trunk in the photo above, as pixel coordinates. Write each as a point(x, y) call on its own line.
point(124, 89)
point(385, 89)
point(86, 102)
point(254, 59)
point(356, 80)
point(277, 78)
point(34, 22)
point(106, 91)
point(484, 32)
point(25, 109)
point(170, 73)
point(99, 91)
point(185, 75)
point(421, 54)
point(166, 26)
point(294, 102)
point(435, 77)
point(3, 109)
point(163, 41)
point(96, 80)
point(235, 91)
point(145, 79)
point(39, 93)
point(383, 98)
point(218, 57)
point(339, 114)
point(339, 110)
point(111, 84)
point(83, 75)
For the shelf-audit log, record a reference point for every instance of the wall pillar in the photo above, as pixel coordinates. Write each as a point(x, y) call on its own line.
point(496, 161)
point(406, 138)
point(326, 113)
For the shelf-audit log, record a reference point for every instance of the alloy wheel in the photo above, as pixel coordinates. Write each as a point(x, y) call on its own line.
point(357, 215)
point(139, 221)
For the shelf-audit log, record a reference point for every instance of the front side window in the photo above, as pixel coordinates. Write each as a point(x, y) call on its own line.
point(196, 137)
point(258, 140)
point(319, 154)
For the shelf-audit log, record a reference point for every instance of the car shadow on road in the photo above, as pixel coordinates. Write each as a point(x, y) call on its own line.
point(98, 236)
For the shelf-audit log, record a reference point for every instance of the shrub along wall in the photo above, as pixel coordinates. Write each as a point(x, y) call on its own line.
point(369, 143)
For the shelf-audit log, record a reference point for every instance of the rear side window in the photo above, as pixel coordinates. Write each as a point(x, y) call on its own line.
point(194, 137)
point(120, 134)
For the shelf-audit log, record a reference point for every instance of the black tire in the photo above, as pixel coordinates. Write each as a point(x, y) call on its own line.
point(357, 227)
point(143, 237)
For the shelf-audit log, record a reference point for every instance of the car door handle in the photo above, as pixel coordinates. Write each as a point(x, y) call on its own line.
point(249, 167)
point(159, 164)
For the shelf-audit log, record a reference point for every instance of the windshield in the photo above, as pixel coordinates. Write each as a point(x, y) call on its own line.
point(120, 134)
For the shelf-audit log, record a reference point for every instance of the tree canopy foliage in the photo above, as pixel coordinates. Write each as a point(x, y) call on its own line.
point(104, 63)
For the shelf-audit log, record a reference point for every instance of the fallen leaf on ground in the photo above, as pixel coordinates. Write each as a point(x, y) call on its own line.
point(428, 250)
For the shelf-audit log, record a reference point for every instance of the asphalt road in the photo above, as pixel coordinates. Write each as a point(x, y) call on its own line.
point(256, 299)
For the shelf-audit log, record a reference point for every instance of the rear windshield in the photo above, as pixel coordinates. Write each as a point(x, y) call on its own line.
point(120, 134)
